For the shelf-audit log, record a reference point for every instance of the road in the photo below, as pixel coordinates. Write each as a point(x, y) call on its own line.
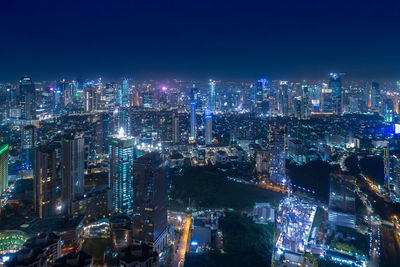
point(179, 255)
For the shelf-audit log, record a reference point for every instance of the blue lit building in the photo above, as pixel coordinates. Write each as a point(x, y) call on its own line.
point(208, 127)
point(277, 164)
point(120, 173)
point(193, 122)
point(335, 85)
point(212, 96)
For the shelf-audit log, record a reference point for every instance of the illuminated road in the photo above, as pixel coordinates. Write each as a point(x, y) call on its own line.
point(179, 256)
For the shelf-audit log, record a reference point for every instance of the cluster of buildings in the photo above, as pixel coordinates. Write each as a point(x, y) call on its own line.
point(73, 152)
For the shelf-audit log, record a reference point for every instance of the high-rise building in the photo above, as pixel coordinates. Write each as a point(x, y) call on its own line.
point(125, 92)
point(260, 88)
point(120, 171)
point(386, 166)
point(148, 100)
point(208, 127)
point(375, 97)
point(283, 98)
point(335, 85)
point(193, 122)
point(175, 129)
point(91, 98)
point(305, 102)
point(212, 105)
point(277, 165)
point(44, 181)
point(3, 168)
point(150, 201)
point(388, 109)
point(341, 202)
point(28, 142)
point(72, 169)
point(27, 98)
point(326, 99)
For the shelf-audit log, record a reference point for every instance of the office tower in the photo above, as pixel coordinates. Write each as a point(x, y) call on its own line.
point(193, 122)
point(335, 85)
point(27, 98)
point(147, 128)
point(164, 127)
point(297, 107)
point(72, 169)
point(175, 129)
point(120, 172)
point(388, 109)
point(326, 99)
point(305, 102)
point(260, 88)
point(212, 100)
point(122, 117)
point(375, 96)
point(277, 166)
point(110, 95)
point(262, 161)
point(150, 201)
point(28, 142)
point(125, 93)
point(341, 202)
point(90, 98)
point(386, 166)
point(208, 127)
point(283, 98)
point(3, 167)
point(148, 99)
point(44, 181)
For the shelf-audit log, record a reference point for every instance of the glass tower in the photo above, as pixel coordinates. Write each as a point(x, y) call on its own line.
point(120, 173)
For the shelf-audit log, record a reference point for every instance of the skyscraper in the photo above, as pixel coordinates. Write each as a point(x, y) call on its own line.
point(28, 142)
point(175, 129)
point(150, 201)
point(386, 166)
point(27, 98)
point(193, 122)
point(335, 85)
point(44, 181)
point(72, 169)
point(125, 93)
point(305, 102)
point(208, 127)
point(260, 87)
point(283, 98)
point(120, 172)
point(212, 105)
point(3, 168)
point(277, 166)
point(375, 96)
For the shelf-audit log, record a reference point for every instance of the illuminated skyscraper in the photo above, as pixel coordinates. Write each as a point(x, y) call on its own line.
point(175, 129)
point(3, 168)
point(388, 109)
point(125, 92)
point(44, 181)
point(260, 88)
point(284, 98)
point(148, 100)
point(386, 166)
point(91, 98)
point(326, 99)
point(277, 166)
point(150, 201)
point(376, 96)
point(208, 127)
point(27, 98)
point(120, 171)
point(122, 118)
point(193, 122)
point(335, 85)
point(212, 96)
point(305, 102)
point(72, 169)
point(28, 142)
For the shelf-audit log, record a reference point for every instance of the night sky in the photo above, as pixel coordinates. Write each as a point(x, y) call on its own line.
point(199, 39)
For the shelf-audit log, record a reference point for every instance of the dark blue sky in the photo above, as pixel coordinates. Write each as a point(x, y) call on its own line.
point(199, 39)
